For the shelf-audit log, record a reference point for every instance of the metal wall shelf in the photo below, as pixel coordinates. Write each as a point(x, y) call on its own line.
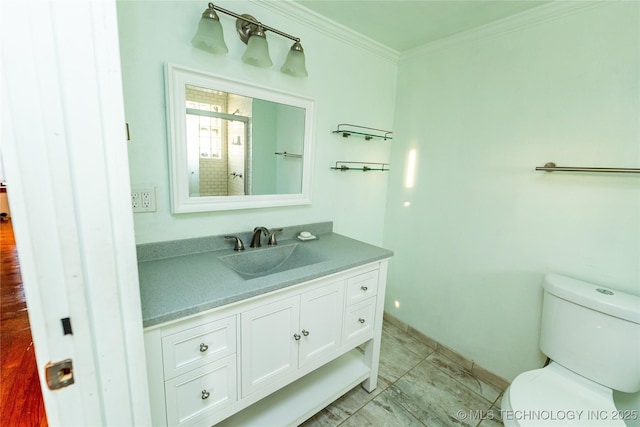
point(366, 166)
point(366, 132)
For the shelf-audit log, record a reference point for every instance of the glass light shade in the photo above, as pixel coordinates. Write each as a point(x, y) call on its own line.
point(257, 52)
point(209, 36)
point(295, 63)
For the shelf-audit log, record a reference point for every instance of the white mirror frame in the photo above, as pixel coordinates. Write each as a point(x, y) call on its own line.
point(177, 77)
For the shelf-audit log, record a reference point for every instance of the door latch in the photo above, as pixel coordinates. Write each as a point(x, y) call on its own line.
point(59, 374)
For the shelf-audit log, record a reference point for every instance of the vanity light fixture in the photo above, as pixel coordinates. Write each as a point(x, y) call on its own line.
point(257, 52)
point(209, 37)
point(294, 65)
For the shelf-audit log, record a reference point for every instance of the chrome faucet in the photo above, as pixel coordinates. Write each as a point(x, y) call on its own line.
point(255, 241)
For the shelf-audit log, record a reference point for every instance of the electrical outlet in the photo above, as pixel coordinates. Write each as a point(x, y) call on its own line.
point(143, 199)
point(135, 200)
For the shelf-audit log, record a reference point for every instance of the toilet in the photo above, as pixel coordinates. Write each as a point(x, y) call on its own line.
point(592, 336)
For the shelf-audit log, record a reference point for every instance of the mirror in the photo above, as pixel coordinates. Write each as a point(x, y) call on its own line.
point(235, 145)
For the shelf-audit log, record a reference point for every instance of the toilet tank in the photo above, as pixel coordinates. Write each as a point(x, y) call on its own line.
point(592, 331)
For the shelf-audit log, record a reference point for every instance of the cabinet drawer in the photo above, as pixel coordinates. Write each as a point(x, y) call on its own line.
point(193, 396)
point(358, 321)
point(362, 286)
point(198, 346)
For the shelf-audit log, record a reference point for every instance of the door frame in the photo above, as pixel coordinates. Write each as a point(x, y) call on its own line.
point(65, 155)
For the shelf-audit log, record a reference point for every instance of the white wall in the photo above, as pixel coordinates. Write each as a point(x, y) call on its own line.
point(483, 227)
point(350, 84)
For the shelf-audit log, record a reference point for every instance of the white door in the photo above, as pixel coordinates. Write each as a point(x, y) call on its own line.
point(63, 144)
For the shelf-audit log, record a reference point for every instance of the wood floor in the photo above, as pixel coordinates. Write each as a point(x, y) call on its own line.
point(20, 395)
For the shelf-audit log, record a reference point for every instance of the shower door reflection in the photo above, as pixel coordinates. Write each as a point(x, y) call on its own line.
point(218, 142)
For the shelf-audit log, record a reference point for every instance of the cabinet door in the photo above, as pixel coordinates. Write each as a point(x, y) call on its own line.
point(269, 348)
point(321, 312)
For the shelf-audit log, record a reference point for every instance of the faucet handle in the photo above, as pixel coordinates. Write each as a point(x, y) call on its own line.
point(272, 238)
point(239, 246)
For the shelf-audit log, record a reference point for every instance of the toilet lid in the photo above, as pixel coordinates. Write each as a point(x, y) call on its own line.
point(554, 396)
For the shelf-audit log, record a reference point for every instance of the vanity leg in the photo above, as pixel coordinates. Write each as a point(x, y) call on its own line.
point(372, 359)
point(372, 347)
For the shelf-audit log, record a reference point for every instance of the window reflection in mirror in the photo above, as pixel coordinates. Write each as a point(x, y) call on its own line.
point(235, 145)
point(218, 142)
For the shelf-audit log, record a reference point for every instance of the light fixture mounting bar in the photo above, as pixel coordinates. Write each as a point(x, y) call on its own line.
point(251, 21)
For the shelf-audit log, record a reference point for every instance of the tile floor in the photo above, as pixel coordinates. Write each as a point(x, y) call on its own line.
point(417, 386)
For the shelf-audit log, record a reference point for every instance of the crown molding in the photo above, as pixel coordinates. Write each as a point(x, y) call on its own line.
point(532, 17)
point(529, 18)
point(298, 13)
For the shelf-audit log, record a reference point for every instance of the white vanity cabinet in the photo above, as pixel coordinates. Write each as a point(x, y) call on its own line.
point(273, 359)
point(280, 336)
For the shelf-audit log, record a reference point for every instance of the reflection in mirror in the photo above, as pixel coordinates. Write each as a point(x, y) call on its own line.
point(217, 142)
point(235, 145)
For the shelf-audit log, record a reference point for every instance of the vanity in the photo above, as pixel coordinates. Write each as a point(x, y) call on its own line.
point(267, 336)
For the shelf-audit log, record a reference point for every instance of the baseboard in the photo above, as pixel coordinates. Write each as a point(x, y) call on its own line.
point(475, 369)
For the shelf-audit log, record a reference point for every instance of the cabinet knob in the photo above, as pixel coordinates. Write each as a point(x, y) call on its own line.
point(203, 347)
point(305, 333)
point(205, 394)
point(361, 320)
point(296, 337)
point(364, 288)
